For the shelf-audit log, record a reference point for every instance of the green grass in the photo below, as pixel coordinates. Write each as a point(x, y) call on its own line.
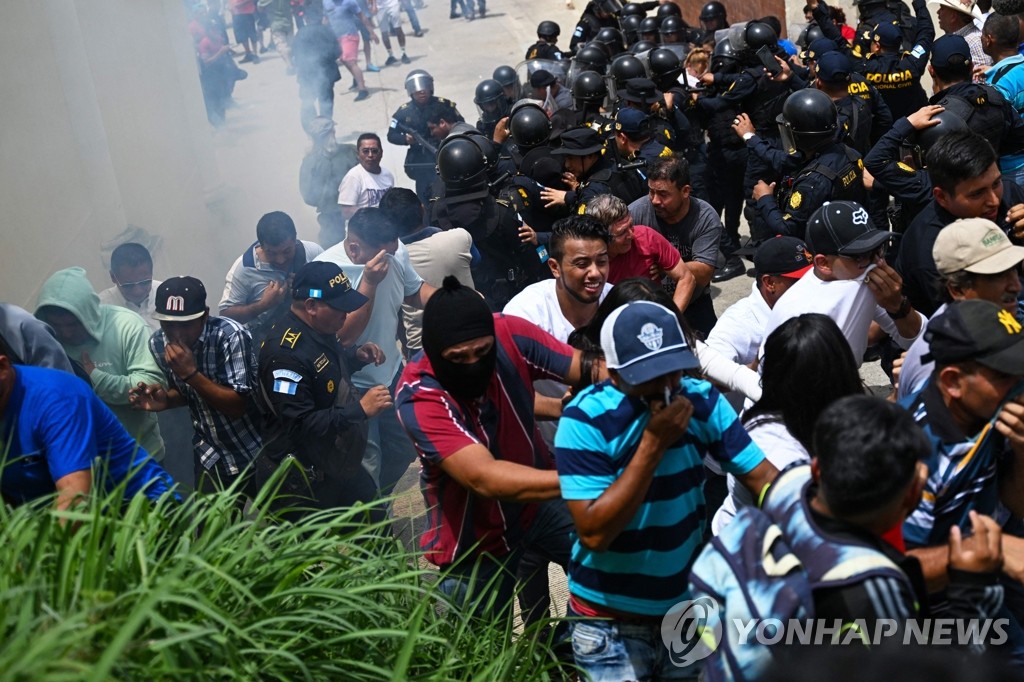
point(135, 593)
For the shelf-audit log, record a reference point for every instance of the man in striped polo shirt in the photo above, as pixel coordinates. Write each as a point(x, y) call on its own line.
point(629, 455)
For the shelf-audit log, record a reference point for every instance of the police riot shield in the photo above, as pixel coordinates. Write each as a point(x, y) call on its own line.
point(525, 71)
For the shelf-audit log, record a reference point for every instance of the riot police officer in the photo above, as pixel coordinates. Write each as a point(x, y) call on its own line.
point(863, 115)
point(679, 112)
point(311, 412)
point(713, 17)
point(895, 73)
point(506, 76)
point(635, 148)
point(589, 172)
point(725, 175)
point(545, 47)
point(589, 92)
point(409, 127)
point(831, 171)
point(505, 265)
point(596, 15)
point(491, 104)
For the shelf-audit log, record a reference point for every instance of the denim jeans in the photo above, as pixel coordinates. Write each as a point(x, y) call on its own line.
point(615, 650)
point(487, 583)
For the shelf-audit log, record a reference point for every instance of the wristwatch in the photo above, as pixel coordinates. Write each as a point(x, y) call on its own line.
point(747, 136)
point(902, 311)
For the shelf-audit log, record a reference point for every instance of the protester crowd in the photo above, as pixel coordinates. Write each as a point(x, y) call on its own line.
point(535, 324)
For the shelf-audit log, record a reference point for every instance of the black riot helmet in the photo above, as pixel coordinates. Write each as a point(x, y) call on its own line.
point(630, 25)
point(672, 25)
point(632, 9)
point(624, 67)
point(808, 121)
point(529, 126)
point(505, 75)
point(724, 58)
point(591, 58)
point(589, 88)
point(612, 7)
point(642, 46)
point(668, 9)
point(665, 67)
point(649, 27)
point(490, 100)
point(462, 165)
point(419, 80)
point(488, 90)
point(612, 39)
point(548, 29)
point(712, 16)
point(509, 81)
point(760, 34)
point(809, 35)
point(950, 121)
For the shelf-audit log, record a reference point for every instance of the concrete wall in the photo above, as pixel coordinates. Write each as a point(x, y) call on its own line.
point(102, 126)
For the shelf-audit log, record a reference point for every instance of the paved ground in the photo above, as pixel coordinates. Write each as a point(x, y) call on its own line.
point(261, 147)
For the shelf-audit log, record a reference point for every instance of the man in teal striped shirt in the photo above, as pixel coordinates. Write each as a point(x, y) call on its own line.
point(629, 453)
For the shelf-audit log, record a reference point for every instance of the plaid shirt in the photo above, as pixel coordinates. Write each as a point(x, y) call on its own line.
point(224, 354)
point(972, 35)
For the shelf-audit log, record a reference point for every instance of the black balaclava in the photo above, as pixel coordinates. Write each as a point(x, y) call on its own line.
point(455, 314)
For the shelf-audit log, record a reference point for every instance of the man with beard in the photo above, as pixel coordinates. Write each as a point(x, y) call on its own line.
point(488, 479)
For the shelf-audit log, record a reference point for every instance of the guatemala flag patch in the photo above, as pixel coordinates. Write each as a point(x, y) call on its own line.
point(286, 387)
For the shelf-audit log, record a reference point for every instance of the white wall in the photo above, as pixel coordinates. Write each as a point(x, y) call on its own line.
point(102, 125)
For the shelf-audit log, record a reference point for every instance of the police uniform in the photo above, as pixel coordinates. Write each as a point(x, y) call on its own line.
point(311, 411)
point(420, 162)
point(986, 113)
point(588, 26)
point(835, 174)
point(542, 49)
point(897, 75)
point(867, 117)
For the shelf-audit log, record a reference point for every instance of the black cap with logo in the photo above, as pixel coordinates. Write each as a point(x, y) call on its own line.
point(179, 299)
point(978, 331)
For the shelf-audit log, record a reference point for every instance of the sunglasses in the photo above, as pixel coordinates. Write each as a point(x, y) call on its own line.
point(142, 283)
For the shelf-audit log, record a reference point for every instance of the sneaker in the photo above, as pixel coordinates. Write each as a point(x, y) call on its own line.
point(391, 60)
point(470, 16)
point(482, 12)
point(263, 50)
point(255, 59)
point(405, 59)
point(246, 59)
point(453, 15)
point(363, 94)
point(418, 34)
point(373, 68)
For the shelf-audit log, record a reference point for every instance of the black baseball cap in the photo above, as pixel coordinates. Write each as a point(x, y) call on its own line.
point(843, 228)
point(579, 142)
point(782, 256)
point(327, 282)
point(179, 299)
point(979, 331)
point(542, 78)
point(640, 90)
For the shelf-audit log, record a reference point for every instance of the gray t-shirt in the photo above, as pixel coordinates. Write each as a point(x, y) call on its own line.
point(696, 236)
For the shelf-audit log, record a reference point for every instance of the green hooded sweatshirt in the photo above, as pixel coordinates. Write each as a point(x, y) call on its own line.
point(119, 348)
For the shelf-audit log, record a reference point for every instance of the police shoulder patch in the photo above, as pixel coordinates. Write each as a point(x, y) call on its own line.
point(285, 387)
point(290, 338)
point(795, 200)
point(321, 362)
point(906, 168)
point(287, 374)
point(582, 209)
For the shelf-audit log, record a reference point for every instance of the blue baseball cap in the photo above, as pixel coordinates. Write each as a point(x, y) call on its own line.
point(834, 67)
point(632, 121)
point(946, 47)
point(642, 340)
point(819, 47)
point(887, 34)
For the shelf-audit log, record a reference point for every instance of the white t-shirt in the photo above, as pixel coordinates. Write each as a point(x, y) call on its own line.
point(382, 329)
point(362, 189)
point(779, 447)
point(848, 302)
point(739, 332)
point(915, 373)
point(538, 303)
point(113, 296)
